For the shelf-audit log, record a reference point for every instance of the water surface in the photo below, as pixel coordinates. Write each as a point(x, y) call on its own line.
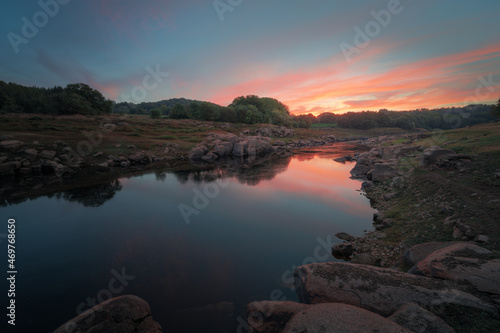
point(239, 244)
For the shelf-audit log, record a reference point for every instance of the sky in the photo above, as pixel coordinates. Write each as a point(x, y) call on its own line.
point(313, 55)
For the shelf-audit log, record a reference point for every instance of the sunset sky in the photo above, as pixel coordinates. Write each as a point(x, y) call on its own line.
point(314, 55)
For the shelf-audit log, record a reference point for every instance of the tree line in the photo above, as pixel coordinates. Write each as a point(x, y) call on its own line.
point(439, 118)
point(77, 98)
point(80, 98)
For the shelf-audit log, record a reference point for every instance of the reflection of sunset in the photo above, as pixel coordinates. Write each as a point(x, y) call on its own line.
point(324, 179)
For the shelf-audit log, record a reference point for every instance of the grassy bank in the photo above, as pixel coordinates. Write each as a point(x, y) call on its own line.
point(427, 196)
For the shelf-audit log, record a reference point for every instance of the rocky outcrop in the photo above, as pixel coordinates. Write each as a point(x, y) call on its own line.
point(380, 290)
point(419, 320)
point(381, 172)
point(124, 314)
point(276, 317)
point(418, 252)
point(452, 263)
point(434, 154)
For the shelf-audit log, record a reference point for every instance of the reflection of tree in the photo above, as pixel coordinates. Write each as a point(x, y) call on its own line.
point(161, 176)
point(246, 171)
point(92, 196)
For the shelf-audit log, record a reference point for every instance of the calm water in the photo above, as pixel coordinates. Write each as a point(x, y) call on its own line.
point(241, 243)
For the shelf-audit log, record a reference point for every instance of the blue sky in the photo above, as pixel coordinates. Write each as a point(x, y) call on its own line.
point(418, 53)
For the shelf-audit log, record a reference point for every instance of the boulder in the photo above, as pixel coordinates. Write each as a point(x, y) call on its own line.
point(197, 152)
point(383, 171)
point(223, 148)
point(10, 145)
point(342, 250)
point(365, 259)
point(240, 148)
point(124, 314)
point(279, 143)
point(233, 138)
point(140, 158)
point(434, 154)
point(210, 157)
point(419, 320)
point(9, 166)
point(31, 153)
point(275, 317)
point(345, 236)
point(359, 171)
point(418, 252)
point(380, 290)
point(47, 154)
point(452, 263)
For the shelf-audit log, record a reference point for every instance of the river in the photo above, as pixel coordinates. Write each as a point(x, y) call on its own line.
point(197, 246)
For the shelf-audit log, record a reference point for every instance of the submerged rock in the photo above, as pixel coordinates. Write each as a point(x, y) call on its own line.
point(124, 314)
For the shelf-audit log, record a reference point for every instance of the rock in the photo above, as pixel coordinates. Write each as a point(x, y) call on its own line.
point(47, 154)
point(451, 263)
point(345, 236)
point(390, 196)
point(233, 138)
point(279, 143)
point(264, 131)
point(125, 164)
point(210, 157)
point(418, 252)
point(497, 175)
point(458, 233)
point(103, 166)
point(123, 124)
point(52, 167)
point(418, 320)
point(98, 154)
point(124, 314)
point(223, 148)
point(383, 171)
point(340, 160)
point(197, 152)
point(9, 166)
point(131, 147)
point(10, 145)
point(380, 290)
point(434, 154)
point(31, 153)
point(64, 157)
point(240, 148)
point(482, 239)
point(109, 127)
point(365, 259)
point(140, 158)
point(359, 171)
point(3, 158)
point(343, 250)
point(286, 316)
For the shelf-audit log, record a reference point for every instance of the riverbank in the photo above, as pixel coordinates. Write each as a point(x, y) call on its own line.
point(437, 231)
point(40, 154)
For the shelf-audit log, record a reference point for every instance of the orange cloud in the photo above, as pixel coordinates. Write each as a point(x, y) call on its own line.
point(435, 82)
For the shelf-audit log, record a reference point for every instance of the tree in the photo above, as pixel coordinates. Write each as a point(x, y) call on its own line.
point(97, 101)
point(155, 113)
point(178, 112)
point(495, 112)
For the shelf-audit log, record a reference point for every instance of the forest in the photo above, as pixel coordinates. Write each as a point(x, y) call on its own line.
point(80, 98)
